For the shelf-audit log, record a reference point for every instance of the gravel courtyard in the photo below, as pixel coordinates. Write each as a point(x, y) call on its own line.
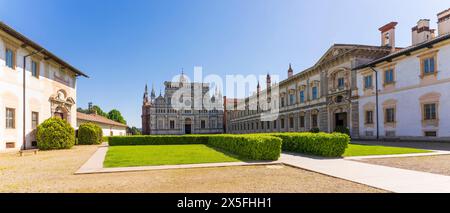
point(439, 164)
point(52, 171)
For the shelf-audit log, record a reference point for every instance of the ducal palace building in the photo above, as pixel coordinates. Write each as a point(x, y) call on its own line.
point(375, 91)
point(159, 117)
point(47, 88)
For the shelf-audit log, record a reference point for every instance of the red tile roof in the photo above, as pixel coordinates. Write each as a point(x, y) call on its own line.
point(98, 119)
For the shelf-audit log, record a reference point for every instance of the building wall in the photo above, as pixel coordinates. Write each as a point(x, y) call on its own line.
point(407, 92)
point(337, 63)
point(39, 91)
point(108, 130)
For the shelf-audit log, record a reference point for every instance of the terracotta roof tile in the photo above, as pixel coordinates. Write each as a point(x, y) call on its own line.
point(98, 119)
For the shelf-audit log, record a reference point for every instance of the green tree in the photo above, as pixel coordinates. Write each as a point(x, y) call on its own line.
point(79, 109)
point(135, 131)
point(99, 111)
point(115, 115)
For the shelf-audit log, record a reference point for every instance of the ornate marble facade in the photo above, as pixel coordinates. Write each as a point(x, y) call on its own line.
point(160, 117)
point(323, 96)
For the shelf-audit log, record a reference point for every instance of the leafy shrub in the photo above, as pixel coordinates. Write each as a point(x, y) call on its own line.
point(89, 133)
point(253, 147)
point(105, 138)
point(100, 133)
point(321, 144)
point(314, 130)
point(55, 133)
point(343, 130)
point(157, 140)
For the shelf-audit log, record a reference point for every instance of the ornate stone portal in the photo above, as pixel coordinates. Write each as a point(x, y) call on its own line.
point(61, 105)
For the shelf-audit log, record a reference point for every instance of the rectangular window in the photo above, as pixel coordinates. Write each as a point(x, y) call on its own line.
point(368, 82)
point(369, 133)
point(340, 83)
point(389, 76)
point(291, 122)
point(428, 65)
point(302, 121)
point(203, 124)
point(390, 115)
point(9, 58)
point(282, 101)
point(268, 124)
point(369, 117)
point(34, 69)
point(213, 124)
point(274, 124)
point(390, 133)
point(430, 134)
point(10, 118)
point(262, 124)
point(10, 145)
point(282, 123)
point(314, 93)
point(34, 120)
point(429, 111)
point(291, 99)
point(302, 97)
point(172, 124)
point(314, 121)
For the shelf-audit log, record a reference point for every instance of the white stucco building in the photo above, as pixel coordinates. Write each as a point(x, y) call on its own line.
point(413, 86)
point(109, 127)
point(50, 89)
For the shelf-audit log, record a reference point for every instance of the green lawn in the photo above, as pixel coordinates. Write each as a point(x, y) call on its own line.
point(128, 156)
point(365, 150)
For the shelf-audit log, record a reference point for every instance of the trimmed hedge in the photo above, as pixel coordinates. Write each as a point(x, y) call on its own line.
point(157, 140)
point(321, 144)
point(55, 133)
point(89, 134)
point(343, 130)
point(314, 130)
point(253, 147)
point(266, 146)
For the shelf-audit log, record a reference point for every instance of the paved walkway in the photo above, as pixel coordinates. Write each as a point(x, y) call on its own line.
point(382, 177)
point(95, 164)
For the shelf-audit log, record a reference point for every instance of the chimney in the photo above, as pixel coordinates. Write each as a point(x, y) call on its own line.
point(290, 71)
point(388, 35)
point(444, 22)
point(422, 32)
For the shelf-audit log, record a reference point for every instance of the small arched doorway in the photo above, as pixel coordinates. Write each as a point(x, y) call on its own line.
point(60, 112)
point(187, 126)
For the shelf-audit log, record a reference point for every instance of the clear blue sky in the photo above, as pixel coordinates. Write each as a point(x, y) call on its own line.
point(124, 44)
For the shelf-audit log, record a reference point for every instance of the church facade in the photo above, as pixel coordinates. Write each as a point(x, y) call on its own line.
point(163, 115)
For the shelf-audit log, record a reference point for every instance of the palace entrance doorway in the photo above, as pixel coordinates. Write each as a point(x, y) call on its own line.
point(340, 119)
point(188, 126)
